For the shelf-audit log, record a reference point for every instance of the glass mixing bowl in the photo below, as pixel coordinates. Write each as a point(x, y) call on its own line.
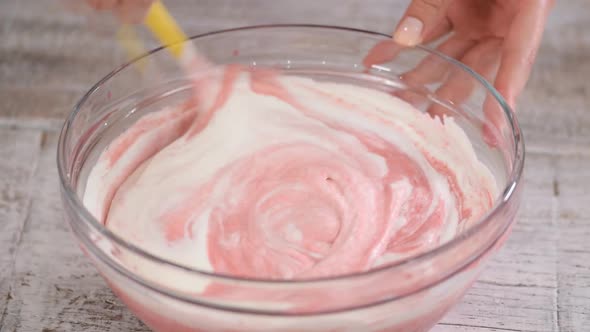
point(407, 295)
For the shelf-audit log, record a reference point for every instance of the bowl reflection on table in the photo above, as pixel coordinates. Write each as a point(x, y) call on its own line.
point(407, 295)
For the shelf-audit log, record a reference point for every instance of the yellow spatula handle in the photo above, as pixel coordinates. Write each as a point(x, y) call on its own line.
point(165, 29)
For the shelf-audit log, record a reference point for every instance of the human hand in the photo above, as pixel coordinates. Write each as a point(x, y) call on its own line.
point(486, 33)
point(128, 11)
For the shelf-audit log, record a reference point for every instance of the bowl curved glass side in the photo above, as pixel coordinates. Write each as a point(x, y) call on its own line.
point(408, 296)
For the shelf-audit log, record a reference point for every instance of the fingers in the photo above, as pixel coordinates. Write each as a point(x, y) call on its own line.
point(132, 11)
point(382, 52)
point(458, 88)
point(128, 11)
point(412, 30)
point(422, 18)
point(433, 69)
point(442, 28)
point(520, 48)
point(102, 4)
point(494, 122)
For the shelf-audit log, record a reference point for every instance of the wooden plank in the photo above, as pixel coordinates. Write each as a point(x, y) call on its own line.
point(512, 308)
point(450, 327)
point(49, 57)
point(573, 220)
point(56, 288)
point(18, 160)
point(554, 107)
point(540, 280)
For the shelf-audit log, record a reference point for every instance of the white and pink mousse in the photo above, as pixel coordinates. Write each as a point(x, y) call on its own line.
point(284, 177)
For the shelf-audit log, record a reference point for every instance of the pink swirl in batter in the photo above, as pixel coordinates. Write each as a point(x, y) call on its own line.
point(344, 185)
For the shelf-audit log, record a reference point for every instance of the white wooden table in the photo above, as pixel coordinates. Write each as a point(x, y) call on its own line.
point(48, 58)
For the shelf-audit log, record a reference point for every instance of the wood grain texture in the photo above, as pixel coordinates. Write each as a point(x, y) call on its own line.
point(18, 161)
point(53, 286)
point(540, 281)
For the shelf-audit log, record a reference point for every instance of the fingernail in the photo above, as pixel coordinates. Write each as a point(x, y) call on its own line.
point(409, 32)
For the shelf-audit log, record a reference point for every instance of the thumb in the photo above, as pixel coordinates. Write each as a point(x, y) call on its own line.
point(420, 18)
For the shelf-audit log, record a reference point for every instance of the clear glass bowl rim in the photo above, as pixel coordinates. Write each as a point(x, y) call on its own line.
point(507, 192)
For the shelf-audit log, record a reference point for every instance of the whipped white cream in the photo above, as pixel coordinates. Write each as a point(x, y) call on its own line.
point(287, 178)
